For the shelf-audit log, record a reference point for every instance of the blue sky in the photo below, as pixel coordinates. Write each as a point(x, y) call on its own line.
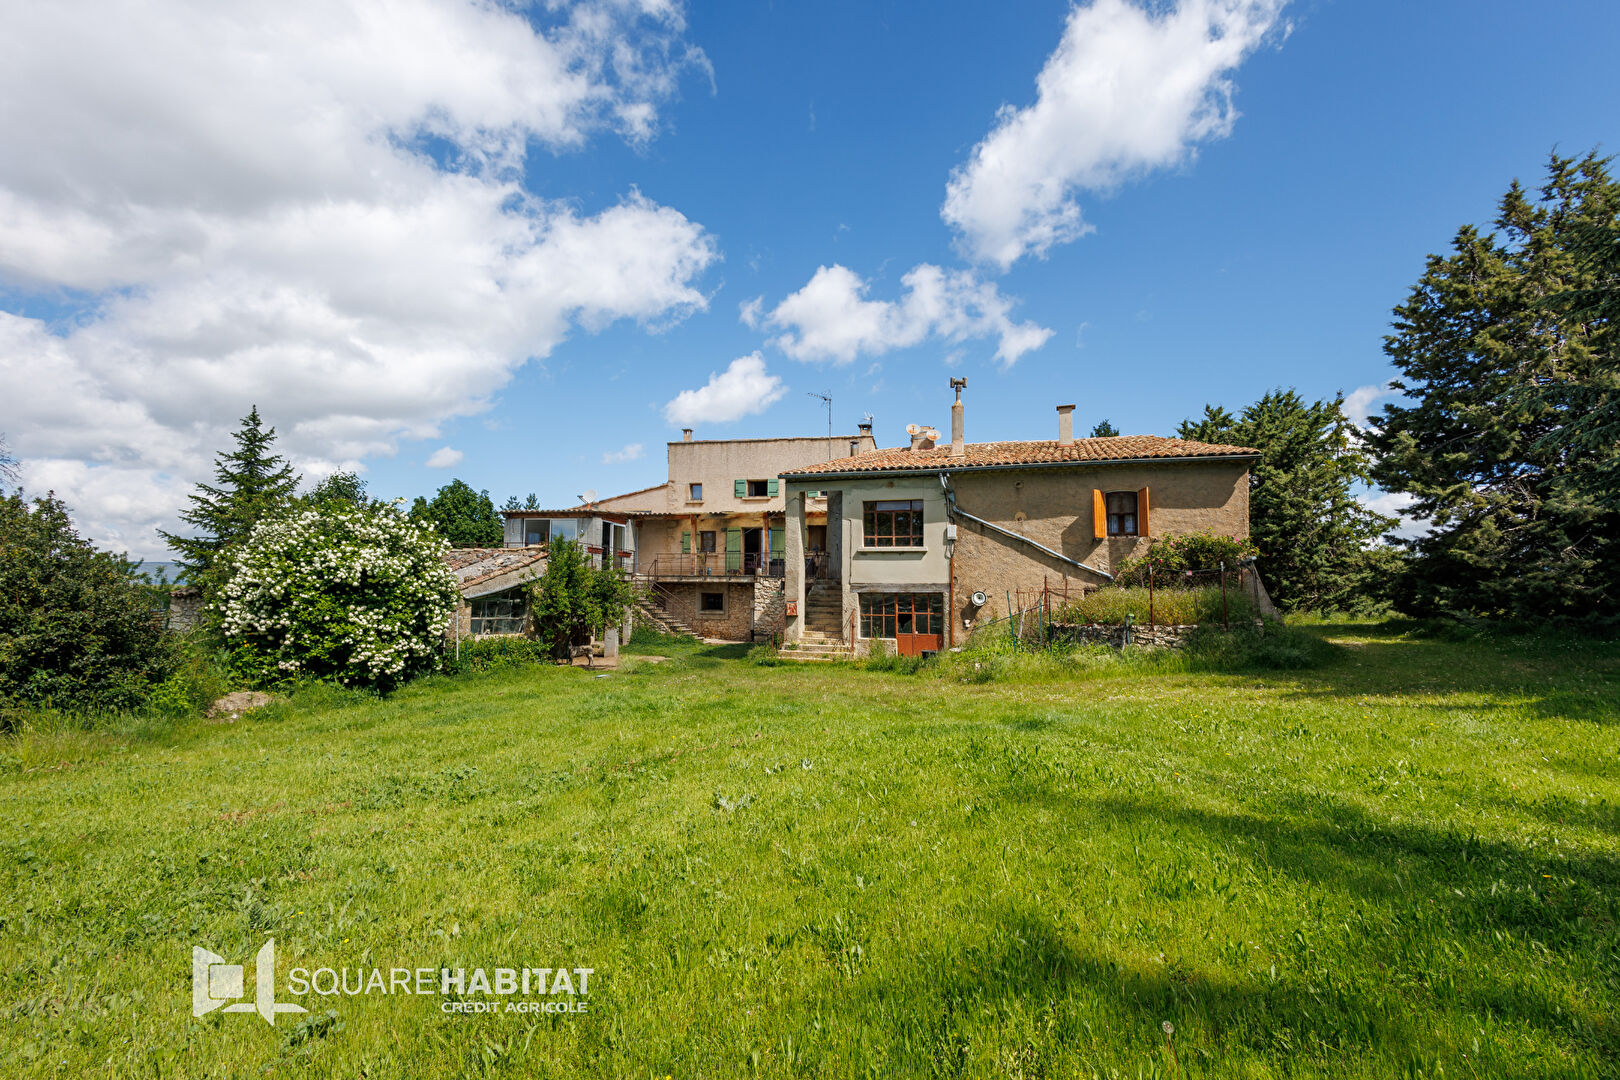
point(1264, 250)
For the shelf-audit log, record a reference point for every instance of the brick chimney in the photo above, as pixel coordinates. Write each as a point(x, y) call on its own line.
point(686, 434)
point(865, 429)
point(1065, 425)
point(958, 447)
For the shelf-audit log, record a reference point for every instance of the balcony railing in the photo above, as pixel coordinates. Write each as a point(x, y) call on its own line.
point(716, 564)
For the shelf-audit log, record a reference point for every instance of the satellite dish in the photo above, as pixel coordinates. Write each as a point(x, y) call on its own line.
point(932, 433)
point(978, 599)
point(913, 429)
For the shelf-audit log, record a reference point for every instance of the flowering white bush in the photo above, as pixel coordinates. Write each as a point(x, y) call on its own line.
point(359, 594)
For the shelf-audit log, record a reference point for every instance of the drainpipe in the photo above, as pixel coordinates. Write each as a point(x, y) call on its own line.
point(956, 511)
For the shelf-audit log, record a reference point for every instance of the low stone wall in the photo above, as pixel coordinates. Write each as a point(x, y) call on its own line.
point(1152, 637)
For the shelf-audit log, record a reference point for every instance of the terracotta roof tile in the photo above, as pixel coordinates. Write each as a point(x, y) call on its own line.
point(1015, 454)
point(472, 565)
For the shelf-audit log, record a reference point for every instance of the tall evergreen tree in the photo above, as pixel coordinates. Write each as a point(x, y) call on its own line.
point(1316, 541)
point(250, 483)
point(464, 517)
point(1506, 439)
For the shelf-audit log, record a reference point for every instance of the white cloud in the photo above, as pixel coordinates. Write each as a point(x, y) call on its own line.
point(749, 311)
point(1358, 403)
point(1393, 504)
point(1127, 90)
point(740, 390)
point(444, 458)
point(314, 206)
point(831, 318)
point(630, 452)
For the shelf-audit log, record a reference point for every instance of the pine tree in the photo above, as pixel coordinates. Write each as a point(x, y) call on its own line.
point(251, 483)
point(464, 517)
point(1506, 436)
point(1104, 430)
point(1316, 541)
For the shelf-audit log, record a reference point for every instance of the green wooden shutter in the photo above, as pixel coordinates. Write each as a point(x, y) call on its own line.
point(686, 543)
point(773, 488)
point(733, 549)
point(742, 489)
point(778, 543)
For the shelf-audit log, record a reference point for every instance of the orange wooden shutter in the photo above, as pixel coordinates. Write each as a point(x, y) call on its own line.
point(1142, 512)
point(1099, 514)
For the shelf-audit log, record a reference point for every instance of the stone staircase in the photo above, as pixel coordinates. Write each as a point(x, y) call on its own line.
point(649, 611)
point(823, 635)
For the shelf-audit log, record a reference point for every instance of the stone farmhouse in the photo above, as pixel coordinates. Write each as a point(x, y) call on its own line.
point(916, 544)
point(833, 543)
point(710, 542)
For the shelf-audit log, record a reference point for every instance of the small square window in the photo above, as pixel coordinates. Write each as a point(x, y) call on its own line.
point(712, 602)
point(706, 541)
point(1121, 513)
point(758, 489)
point(694, 492)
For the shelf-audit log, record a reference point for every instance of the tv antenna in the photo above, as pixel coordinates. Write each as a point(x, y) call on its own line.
point(826, 399)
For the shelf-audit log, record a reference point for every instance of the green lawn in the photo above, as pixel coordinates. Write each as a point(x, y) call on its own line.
point(1405, 863)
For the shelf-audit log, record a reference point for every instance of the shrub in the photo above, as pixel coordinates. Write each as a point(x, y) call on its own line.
point(1173, 606)
point(1270, 646)
point(77, 629)
point(1182, 552)
point(499, 653)
point(200, 678)
point(356, 594)
point(572, 601)
point(764, 656)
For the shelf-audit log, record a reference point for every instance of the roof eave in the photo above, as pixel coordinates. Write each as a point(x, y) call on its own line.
point(930, 470)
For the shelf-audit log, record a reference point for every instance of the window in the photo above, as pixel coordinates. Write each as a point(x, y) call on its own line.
point(706, 541)
point(711, 603)
point(503, 613)
point(1122, 513)
point(694, 492)
point(894, 523)
point(883, 615)
point(536, 531)
point(759, 489)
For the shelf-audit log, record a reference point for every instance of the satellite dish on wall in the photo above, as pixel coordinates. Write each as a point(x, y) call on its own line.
point(978, 599)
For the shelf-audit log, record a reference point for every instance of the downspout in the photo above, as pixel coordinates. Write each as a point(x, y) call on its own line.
point(956, 511)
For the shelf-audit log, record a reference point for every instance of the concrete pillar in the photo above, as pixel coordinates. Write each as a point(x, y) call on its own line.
point(793, 552)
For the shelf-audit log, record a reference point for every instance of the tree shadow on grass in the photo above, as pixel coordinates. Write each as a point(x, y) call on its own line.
point(1567, 901)
point(1550, 678)
point(1036, 972)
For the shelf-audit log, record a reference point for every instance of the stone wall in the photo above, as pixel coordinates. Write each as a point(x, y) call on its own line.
point(1153, 637)
point(770, 607)
point(185, 608)
point(735, 623)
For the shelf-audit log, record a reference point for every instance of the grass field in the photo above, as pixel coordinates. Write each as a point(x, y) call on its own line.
point(1403, 863)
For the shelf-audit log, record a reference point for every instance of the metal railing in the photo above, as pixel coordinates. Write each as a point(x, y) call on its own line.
point(717, 564)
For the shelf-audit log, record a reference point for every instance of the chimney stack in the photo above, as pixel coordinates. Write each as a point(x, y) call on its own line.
point(686, 434)
point(958, 447)
point(1065, 425)
point(865, 428)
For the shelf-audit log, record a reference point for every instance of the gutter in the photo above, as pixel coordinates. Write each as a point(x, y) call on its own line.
point(867, 474)
point(956, 511)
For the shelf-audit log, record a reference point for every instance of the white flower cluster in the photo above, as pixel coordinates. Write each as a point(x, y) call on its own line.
point(361, 595)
